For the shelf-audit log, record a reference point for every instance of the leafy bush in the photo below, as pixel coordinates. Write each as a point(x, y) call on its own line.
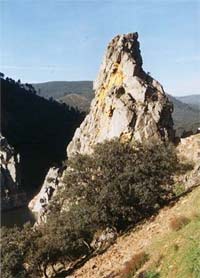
point(119, 184)
point(178, 222)
point(136, 262)
point(179, 189)
point(15, 244)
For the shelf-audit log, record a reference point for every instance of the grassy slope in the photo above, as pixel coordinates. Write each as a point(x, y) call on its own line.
point(177, 254)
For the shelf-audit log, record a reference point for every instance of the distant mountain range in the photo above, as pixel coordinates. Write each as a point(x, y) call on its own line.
point(79, 94)
point(193, 100)
point(186, 116)
point(57, 89)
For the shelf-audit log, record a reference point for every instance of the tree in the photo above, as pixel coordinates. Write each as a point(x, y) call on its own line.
point(1, 75)
point(120, 183)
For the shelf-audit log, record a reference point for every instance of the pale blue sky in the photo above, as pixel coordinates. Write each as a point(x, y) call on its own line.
point(43, 40)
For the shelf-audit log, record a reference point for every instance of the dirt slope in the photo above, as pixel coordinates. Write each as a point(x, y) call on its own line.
point(144, 238)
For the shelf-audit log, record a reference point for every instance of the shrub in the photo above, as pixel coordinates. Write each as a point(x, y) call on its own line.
point(133, 265)
point(178, 222)
point(179, 189)
point(15, 242)
point(121, 183)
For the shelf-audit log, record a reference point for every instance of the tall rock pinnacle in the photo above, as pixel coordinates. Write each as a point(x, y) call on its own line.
point(128, 104)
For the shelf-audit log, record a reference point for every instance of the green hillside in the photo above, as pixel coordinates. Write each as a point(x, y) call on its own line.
point(193, 100)
point(57, 89)
point(185, 117)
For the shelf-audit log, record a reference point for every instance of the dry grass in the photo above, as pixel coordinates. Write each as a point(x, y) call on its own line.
point(133, 265)
point(178, 222)
point(195, 215)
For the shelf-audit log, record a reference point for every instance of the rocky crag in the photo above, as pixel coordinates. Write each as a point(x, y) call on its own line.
point(189, 150)
point(11, 194)
point(128, 104)
point(38, 205)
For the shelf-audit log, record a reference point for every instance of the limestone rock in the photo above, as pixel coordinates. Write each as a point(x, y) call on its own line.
point(12, 194)
point(189, 150)
point(38, 205)
point(128, 104)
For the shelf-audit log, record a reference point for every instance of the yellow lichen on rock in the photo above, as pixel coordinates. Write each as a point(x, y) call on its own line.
point(102, 94)
point(114, 80)
point(126, 137)
point(116, 77)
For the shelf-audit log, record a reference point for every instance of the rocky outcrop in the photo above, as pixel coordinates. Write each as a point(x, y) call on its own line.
point(38, 205)
point(12, 195)
point(189, 150)
point(128, 104)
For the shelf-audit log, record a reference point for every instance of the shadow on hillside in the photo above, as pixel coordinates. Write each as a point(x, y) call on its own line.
point(38, 129)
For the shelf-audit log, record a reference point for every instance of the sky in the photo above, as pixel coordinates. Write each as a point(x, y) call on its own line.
point(47, 40)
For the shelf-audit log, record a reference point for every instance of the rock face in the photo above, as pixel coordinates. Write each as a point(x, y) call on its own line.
point(39, 203)
point(189, 150)
point(12, 196)
point(128, 104)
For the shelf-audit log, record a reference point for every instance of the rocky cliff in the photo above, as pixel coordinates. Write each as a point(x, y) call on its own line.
point(128, 104)
point(38, 205)
point(12, 195)
point(189, 150)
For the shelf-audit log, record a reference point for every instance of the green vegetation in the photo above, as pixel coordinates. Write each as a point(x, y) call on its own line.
point(192, 100)
point(115, 187)
point(184, 260)
point(179, 188)
point(57, 89)
point(185, 116)
point(120, 184)
point(136, 262)
point(178, 250)
point(152, 274)
point(193, 258)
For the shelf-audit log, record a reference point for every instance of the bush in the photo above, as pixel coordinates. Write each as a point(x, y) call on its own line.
point(136, 262)
point(120, 183)
point(178, 222)
point(179, 188)
point(15, 243)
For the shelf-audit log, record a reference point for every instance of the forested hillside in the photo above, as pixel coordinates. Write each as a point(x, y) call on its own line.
point(38, 129)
